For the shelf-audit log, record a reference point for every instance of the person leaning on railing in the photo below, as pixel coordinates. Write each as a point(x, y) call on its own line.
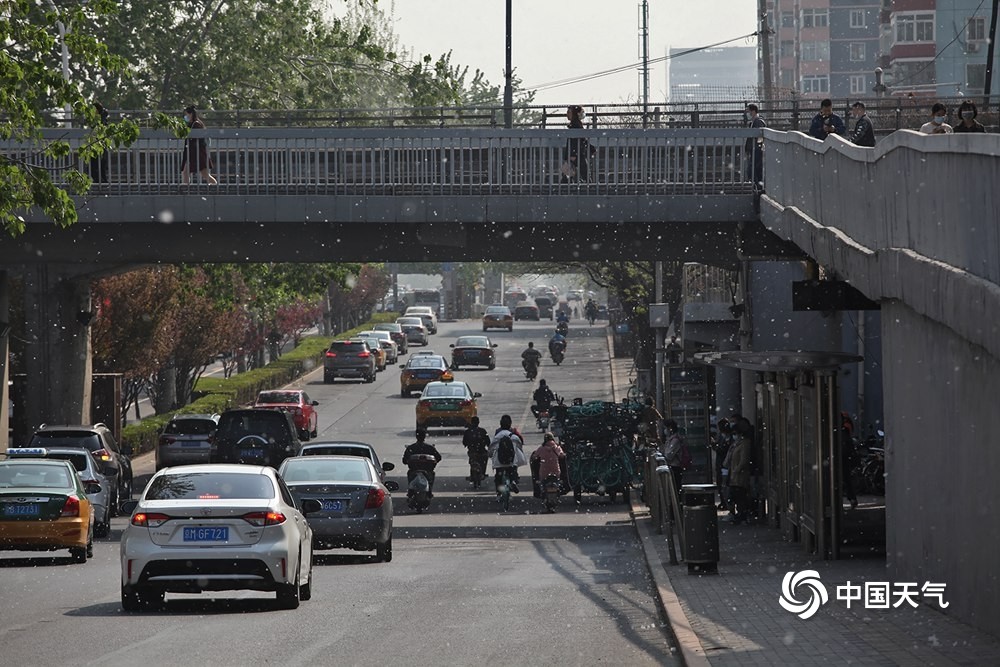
point(967, 113)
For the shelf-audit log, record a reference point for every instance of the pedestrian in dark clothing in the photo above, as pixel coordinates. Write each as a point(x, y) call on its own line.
point(739, 473)
point(721, 443)
point(848, 458)
point(863, 133)
point(754, 149)
point(967, 113)
point(673, 452)
point(576, 157)
point(196, 157)
point(99, 164)
point(826, 122)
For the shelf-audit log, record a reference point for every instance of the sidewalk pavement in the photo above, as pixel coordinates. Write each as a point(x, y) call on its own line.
point(733, 617)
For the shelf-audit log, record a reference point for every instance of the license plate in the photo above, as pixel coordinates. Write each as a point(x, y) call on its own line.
point(422, 375)
point(203, 534)
point(444, 407)
point(21, 510)
point(251, 453)
point(472, 353)
point(333, 505)
point(190, 444)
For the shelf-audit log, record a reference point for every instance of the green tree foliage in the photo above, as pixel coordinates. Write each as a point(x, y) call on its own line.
point(32, 86)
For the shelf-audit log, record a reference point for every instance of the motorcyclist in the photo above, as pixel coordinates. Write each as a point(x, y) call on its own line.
point(547, 460)
point(531, 355)
point(591, 310)
point(417, 464)
point(507, 430)
point(477, 441)
point(557, 340)
point(562, 316)
point(543, 398)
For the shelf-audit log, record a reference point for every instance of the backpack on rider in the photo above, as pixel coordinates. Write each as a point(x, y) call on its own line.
point(505, 451)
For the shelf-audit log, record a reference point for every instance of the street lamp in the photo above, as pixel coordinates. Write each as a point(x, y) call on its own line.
point(508, 90)
point(880, 87)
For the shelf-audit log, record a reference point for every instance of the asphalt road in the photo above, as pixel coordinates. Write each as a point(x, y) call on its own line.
point(467, 583)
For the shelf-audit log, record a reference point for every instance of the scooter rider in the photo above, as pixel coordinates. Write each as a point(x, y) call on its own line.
point(562, 316)
point(543, 398)
point(417, 464)
point(477, 441)
point(507, 431)
point(557, 340)
point(531, 355)
point(548, 460)
point(591, 310)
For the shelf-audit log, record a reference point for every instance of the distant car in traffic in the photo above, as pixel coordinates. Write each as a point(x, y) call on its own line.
point(45, 507)
point(473, 351)
point(498, 317)
point(397, 333)
point(415, 330)
point(386, 342)
point(546, 307)
point(186, 439)
point(526, 311)
point(355, 506)
point(427, 314)
point(114, 461)
point(446, 403)
point(419, 370)
point(256, 436)
point(296, 403)
point(216, 528)
point(349, 359)
point(352, 448)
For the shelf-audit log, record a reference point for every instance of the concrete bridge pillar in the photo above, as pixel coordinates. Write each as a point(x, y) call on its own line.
point(58, 313)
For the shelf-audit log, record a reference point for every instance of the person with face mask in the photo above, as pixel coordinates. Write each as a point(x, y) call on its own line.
point(195, 151)
point(826, 122)
point(967, 112)
point(937, 124)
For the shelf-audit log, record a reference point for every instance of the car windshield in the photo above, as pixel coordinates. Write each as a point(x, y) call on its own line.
point(210, 486)
point(190, 427)
point(36, 476)
point(472, 341)
point(445, 391)
point(278, 397)
point(329, 470)
point(87, 439)
point(270, 424)
point(426, 361)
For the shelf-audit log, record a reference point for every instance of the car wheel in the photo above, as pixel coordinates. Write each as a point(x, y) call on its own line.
point(383, 552)
point(510, 328)
point(314, 433)
point(491, 367)
point(103, 527)
point(370, 378)
point(303, 435)
point(288, 594)
point(454, 367)
point(403, 393)
point(113, 503)
point(327, 379)
point(484, 328)
point(125, 490)
point(305, 590)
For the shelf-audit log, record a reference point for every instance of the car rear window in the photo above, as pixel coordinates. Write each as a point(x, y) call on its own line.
point(426, 362)
point(388, 327)
point(331, 470)
point(472, 341)
point(190, 427)
point(411, 321)
point(210, 486)
point(38, 476)
point(87, 439)
point(348, 347)
point(278, 397)
point(272, 425)
point(497, 311)
point(337, 450)
point(79, 461)
point(445, 390)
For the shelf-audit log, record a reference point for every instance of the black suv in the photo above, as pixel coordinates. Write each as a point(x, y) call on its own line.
point(255, 436)
point(113, 461)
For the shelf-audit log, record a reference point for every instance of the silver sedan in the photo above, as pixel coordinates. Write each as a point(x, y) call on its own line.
point(216, 527)
point(356, 510)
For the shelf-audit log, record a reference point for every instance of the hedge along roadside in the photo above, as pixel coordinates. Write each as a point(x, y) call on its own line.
point(217, 394)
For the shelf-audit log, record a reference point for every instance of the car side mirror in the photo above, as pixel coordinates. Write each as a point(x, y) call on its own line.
point(128, 506)
point(127, 450)
point(314, 403)
point(311, 505)
point(388, 465)
point(477, 395)
point(494, 345)
point(392, 486)
point(452, 345)
point(402, 365)
point(91, 488)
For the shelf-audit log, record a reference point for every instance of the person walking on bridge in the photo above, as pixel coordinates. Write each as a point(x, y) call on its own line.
point(195, 151)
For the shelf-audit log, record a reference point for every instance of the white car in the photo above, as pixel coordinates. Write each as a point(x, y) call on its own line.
point(386, 342)
point(414, 329)
point(427, 314)
point(216, 527)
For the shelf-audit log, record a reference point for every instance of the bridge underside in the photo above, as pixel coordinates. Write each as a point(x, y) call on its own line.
point(204, 228)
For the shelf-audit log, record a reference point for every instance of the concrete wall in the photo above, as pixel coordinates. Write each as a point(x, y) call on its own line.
point(943, 463)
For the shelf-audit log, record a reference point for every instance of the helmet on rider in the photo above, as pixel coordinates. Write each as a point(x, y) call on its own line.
point(421, 435)
point(541, 383)
point(531, 344)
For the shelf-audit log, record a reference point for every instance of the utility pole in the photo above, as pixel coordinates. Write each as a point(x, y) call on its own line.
point(508, 90)
point(644, 56)
point(990, 51)
point(765, 51)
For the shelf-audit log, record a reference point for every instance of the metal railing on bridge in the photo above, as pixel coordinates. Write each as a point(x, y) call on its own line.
point(455, 161)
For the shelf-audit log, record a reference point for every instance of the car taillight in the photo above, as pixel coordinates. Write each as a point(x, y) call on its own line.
point(89, 481)
point(151, 520)
point(72, 507)
point(264, 518)
point(330, 355)
point(102, 455)
point(466, 403)
point(165, 440)
point(375, 499)
point(425, 404)
point(364, 355)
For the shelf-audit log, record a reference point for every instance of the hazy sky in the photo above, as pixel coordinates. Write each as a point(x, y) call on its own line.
point(560, 40)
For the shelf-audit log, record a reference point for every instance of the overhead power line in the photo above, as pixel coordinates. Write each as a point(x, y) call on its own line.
point(624, 68)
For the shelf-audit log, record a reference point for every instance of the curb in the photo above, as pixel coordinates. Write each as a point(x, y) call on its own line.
point(692, 653)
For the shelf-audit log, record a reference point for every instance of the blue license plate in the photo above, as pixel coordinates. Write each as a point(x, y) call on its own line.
point(333, 505)
point(472, 353)
point(190, 444)
point(206, 534)
point(251, 453)
point(22, 510)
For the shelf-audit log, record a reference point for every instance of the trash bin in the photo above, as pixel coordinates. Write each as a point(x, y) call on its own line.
point(701, 528)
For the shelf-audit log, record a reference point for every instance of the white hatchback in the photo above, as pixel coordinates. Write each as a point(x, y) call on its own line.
point(427, 314)
point(213, 528)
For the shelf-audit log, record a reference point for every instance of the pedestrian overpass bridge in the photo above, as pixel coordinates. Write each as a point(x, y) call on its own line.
point(913, 224)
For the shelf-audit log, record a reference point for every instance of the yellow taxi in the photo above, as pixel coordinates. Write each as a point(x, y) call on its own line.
point(498, 317)
point(44, 507)
point(419, 370)
point(446, 403)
